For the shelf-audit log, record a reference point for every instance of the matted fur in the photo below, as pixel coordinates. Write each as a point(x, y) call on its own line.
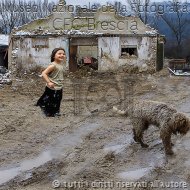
point(144, 113)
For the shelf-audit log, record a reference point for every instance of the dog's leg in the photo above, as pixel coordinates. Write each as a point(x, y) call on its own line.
point(134, 135)
point(139, 128)
point(168, 146)
point(166, 139)
point(144, 145)
point(144, 126)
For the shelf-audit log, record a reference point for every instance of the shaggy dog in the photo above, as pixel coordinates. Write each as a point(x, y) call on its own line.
point(144, 113)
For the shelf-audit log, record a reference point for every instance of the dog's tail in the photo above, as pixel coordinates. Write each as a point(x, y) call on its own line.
point(121, 112)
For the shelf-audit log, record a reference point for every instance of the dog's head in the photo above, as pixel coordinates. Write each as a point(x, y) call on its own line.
point(180, 123)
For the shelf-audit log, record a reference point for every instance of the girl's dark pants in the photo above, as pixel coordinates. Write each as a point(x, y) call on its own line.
point(50, 102)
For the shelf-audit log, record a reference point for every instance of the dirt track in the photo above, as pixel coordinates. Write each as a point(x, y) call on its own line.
point(89, 143)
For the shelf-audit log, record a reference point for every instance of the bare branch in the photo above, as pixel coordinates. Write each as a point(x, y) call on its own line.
point(15, 13)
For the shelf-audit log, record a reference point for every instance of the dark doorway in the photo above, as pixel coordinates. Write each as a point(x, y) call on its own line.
point(81, 49)
point(160, 56)
point(4, 56)
point(73, 59)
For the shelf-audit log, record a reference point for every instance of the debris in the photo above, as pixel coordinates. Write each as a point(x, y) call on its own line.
point(144, 68)
point(94, 111)
point(179, 73)
point(179, 67)
point(4, 76)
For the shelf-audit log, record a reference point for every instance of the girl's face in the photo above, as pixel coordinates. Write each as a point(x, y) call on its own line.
point(60, 56)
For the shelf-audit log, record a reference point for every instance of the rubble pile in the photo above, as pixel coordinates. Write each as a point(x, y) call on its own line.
point(5, 76)
point(81, 73)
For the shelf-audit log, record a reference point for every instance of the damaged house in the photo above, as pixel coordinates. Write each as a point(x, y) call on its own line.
point(98, 36)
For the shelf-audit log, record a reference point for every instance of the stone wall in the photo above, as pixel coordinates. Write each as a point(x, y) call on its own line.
point(29, 54)
point(110, 56)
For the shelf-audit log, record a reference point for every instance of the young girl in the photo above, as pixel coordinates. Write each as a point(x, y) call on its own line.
point(53, 75)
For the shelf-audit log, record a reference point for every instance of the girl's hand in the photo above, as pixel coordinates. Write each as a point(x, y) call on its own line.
point(51, 84)
point(45, 73)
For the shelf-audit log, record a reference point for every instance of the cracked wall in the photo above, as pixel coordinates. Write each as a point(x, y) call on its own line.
point(110, 52)
point(29, 54)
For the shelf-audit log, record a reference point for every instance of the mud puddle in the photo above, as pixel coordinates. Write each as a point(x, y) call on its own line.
point(144, 162)
point(68, 141)
point(57, 150)
point(135, 174)
point(119, 144)
point(8, 174)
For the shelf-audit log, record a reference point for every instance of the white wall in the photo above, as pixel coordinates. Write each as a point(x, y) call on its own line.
point(29, 57)
point(146, 51)
point(110, 52)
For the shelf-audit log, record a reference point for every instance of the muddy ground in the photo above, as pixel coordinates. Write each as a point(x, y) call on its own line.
point(88, 146)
